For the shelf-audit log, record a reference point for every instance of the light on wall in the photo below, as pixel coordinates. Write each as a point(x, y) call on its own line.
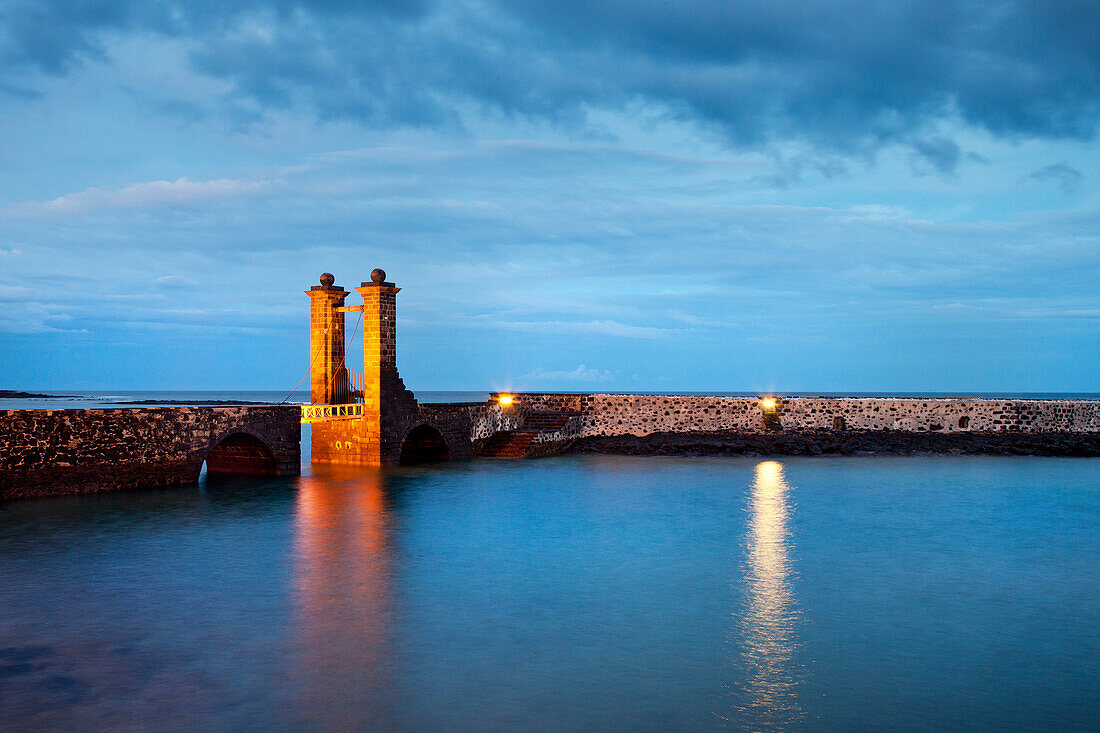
point(767, 404)
point(505, 400)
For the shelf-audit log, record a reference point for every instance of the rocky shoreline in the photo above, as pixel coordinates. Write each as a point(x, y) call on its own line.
point(9, 394)
point(12, 394)
point(838, 442)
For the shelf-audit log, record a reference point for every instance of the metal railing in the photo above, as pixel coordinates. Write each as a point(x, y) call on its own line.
point(347, 387)
point(355, 386)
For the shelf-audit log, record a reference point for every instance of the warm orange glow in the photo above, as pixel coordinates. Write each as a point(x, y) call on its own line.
point(344, 555)
point(767, 403)
point(505, 399)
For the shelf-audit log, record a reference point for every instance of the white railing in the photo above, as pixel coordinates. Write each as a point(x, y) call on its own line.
point(320, 413)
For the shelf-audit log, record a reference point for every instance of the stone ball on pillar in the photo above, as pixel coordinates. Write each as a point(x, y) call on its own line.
point(327, 279)
point(378, 275)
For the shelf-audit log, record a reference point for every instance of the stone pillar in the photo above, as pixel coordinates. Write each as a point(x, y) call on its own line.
point(387, 405)
point(327, 376)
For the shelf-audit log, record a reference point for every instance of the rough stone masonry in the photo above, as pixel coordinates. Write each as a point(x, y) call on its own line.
point(686, 425)
point(53, 452)
point(626, 414)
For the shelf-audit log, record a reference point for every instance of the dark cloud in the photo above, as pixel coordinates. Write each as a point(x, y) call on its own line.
point(46, 37)
point(842, 76)
point(1065, 176)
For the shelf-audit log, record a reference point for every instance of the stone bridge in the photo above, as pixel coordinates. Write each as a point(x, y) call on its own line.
point(380, 423)
point(50, 452)
point(369, 418)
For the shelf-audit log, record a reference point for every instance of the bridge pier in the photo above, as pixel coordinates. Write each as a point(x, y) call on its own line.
point(327, 375)
point(380, 425)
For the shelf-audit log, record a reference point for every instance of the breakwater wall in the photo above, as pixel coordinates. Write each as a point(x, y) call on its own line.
point(52, 452)
point(621, 414)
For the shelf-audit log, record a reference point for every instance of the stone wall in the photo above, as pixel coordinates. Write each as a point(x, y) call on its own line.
point(451, 421)
point(487, 418)
point(610, 414)
point(466, 426)
point(460, 424)
point(51, 452)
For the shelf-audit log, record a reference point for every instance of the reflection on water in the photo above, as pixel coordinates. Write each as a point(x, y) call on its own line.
point(343, 594)
point(579, 593)
point(767, 627)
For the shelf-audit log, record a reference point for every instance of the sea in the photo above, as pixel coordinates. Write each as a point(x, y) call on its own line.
point(574, 593)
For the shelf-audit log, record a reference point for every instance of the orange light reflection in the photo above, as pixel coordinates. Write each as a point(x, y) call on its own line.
point(343, 594)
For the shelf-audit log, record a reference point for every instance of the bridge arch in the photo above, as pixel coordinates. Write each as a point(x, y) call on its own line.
point(424, 443)
point(241, 453)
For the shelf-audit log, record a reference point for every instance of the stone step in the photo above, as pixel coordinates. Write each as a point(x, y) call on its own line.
point(545, 421)
point(509, 444)
point(515, 443)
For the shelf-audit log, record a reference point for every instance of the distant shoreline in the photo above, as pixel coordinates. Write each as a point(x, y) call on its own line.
point(11, 394)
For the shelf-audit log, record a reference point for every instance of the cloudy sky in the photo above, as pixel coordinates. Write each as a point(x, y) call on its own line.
point(594, 195)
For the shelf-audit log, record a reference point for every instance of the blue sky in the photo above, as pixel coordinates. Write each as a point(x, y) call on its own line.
point(601, 195)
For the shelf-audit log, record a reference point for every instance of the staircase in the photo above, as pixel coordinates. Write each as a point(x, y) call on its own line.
point(545, 422)
point(514, 443)
point(508, 444)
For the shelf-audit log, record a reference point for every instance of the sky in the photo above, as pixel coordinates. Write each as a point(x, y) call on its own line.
point(607, 195)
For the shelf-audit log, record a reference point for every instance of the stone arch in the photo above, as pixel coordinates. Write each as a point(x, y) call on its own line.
point(424, 443)
point(242, 453)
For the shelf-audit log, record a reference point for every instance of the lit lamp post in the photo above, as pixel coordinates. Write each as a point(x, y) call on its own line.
point(769, 407)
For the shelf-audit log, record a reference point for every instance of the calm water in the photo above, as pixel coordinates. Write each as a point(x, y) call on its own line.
point(581, 593)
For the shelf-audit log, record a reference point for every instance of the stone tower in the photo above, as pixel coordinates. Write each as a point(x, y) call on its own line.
point(327, 376)
point(370, 432)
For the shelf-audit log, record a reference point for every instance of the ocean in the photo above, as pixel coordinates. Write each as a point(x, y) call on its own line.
point(569, 593)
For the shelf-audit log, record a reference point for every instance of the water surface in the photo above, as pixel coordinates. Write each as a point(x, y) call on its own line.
point(574, 593)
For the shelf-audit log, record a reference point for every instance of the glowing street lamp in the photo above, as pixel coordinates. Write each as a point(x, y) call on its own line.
point(769, 408)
